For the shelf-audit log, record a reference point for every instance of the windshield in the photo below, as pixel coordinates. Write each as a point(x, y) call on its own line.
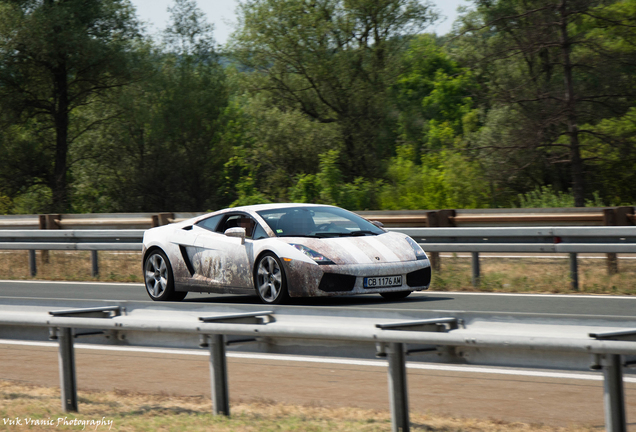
point(317, 222)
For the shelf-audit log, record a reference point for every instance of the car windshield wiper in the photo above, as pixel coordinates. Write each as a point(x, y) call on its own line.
point(360, 233)
point(299, 235)
point(327, 234)
point(343, 234)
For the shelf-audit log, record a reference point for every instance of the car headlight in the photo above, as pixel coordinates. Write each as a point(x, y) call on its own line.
point(318, 258)
point(419, 252)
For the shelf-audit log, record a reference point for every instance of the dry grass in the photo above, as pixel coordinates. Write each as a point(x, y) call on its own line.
point(527, 275)
point(142, 412)
point(536, 275)
point(73, 266)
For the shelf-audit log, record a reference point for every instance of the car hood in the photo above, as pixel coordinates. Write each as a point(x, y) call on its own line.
point(383, 248)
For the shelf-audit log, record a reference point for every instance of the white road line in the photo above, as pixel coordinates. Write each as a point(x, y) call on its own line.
point(569, 296)
point(463, 293)
point(128, 284)
point(481, 255)
point(330, 360)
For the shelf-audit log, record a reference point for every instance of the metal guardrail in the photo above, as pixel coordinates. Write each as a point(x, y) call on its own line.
point(602, 341)
point(570, 240)
point(583, 216)
point(88, 240)
point(71, 239)
point(468, 218)
point(586, 216)
point(91, 220)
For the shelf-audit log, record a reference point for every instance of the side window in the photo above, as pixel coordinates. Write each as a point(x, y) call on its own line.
point(259, 233)
point(210, 223)
point(238, 220)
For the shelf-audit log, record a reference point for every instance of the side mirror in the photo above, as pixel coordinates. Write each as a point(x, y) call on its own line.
point(236, 232)
point(378, 224)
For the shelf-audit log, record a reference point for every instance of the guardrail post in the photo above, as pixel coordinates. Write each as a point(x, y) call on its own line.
point(164, 218)
point(609, 219)
point(94, 263)
point(161, 219)
point(218, 375)
point(68, 383)
point(439, 219)
point(433, 221)
point(44, 254)
point(398, 394)
point(613, 395)
point(620, 216)
point(33, 266)
point(574, 272)
point(475, 269)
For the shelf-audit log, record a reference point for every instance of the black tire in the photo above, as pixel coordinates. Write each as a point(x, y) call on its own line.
point(269, 279)
point(399, 295)
point(158, 278)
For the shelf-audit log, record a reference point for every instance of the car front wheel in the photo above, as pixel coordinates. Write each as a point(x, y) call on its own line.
point(269, 279)
point(159, 279)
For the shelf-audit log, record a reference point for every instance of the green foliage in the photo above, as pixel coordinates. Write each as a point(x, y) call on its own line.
point(35, 200)
point(611, 148)
point(306, 189)
point(361, 194)
point(434, 95)
point(285, 144)
point(189, 34)
point(443, 180)
point(553, 77)
point(327, 187)
point(248, 194)
point(165, 149)
point(240, 179)
point(6, 205)
point(330, 101)
point(58, 57)
point(548, 197)
point(334, 62)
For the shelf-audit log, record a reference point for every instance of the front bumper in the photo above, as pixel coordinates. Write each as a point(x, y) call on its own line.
point(312, 280)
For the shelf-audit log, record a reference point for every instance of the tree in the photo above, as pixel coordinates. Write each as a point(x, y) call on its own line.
point(332, 60)
point(446, 179)
point(544, 61)
point(436, 97)
point(57, 56)
point(164, 151)
point(272, 146)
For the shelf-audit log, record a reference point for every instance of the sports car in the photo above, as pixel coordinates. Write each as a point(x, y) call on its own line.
point(281, 251)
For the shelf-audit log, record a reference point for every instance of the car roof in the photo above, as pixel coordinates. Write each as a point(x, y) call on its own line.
point(259, 207)
point(252, 209)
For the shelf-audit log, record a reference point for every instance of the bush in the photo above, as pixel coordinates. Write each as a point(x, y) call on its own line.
point(548, 197)
point(443, 180)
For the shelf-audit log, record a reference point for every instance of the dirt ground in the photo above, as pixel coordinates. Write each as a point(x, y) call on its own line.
point(550, 401)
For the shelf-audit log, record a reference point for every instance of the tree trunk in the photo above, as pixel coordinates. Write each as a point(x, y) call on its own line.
point(59, 186)
point(576, 162)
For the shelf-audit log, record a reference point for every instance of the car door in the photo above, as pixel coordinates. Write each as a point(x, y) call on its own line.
point(185, 241)
point(225, 261)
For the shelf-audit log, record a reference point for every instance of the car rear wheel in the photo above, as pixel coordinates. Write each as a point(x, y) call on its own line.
point(395, 295)
point(269, 279)
point(159, 279)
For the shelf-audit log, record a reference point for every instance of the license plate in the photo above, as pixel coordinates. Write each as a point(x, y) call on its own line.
point(382, 281)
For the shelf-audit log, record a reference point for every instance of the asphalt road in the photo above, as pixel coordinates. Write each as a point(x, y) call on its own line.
point(510, 397)
point(425, 301)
